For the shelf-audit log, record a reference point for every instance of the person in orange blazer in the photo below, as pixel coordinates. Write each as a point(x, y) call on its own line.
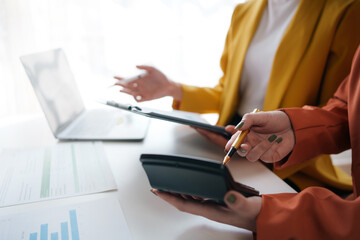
point(314, 213)
point(311, 60)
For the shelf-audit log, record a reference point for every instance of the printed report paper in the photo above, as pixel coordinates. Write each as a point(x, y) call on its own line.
point(61, 170)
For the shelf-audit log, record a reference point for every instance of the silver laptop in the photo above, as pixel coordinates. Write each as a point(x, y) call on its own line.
point(60, 99)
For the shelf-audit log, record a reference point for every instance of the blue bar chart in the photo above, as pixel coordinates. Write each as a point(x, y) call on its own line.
point(63, 227)
point(33, 236)
point(90, 220)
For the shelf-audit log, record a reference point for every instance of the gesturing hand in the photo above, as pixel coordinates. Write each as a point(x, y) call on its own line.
point(154, 84)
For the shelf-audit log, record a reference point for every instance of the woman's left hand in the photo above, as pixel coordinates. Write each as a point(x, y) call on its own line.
point(239, 212)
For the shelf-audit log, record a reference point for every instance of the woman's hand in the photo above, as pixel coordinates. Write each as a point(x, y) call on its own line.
point(215, 138)
point(154, 84)
point(240, 211)
point(270, 139)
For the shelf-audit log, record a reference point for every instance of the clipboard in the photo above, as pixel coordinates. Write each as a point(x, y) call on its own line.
point(174, 116)
point(204, 178)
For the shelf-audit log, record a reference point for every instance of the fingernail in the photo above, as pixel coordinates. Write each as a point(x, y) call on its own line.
point(279, 140)
point(153, 191)
point(240, 124)
point(272, 138)
point(242, 150)
point(231, 198)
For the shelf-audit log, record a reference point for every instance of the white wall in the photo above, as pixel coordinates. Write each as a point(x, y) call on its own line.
point(183, 38)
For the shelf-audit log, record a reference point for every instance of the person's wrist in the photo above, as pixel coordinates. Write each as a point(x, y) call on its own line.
point(255, 206)
point(175, 90)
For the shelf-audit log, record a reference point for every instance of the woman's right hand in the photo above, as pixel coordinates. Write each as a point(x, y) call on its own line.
point(153, 85)
point(270, 139)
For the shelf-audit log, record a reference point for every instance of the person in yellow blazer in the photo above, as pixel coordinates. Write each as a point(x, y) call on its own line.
point(312, 58)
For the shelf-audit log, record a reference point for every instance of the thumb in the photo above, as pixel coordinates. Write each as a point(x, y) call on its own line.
point(244, 209)
point(235, 201)
point(246, 206)
point(145, 67)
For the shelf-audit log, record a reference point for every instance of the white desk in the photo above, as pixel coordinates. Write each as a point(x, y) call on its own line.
point(147, 216)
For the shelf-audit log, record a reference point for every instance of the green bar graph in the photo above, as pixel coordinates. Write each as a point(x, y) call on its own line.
point(45, 183)
point(76, 177)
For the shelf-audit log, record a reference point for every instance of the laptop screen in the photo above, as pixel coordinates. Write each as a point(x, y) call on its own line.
point(54, 86)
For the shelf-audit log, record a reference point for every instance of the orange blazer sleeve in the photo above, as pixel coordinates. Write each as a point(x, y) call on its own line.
point(317, 213)
point(319, 130)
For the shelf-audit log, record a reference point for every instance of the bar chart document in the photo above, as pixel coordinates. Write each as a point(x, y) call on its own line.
point(61, 170)
point(92, 220)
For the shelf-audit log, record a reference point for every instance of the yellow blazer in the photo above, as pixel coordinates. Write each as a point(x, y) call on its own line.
point(313, 57)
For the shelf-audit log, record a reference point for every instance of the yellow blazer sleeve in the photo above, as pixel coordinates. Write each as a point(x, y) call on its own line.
point(199, 99)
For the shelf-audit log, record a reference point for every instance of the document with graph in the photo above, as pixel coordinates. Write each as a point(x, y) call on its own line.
point(91, 220)
point(56, 171)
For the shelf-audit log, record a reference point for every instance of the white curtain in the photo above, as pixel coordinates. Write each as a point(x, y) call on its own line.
point(102, 38)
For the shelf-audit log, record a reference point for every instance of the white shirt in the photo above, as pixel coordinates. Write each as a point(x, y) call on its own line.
point(260, 54)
